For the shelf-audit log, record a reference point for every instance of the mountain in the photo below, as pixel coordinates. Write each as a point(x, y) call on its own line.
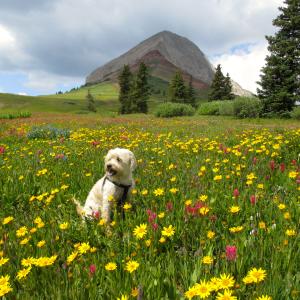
point(164, 53)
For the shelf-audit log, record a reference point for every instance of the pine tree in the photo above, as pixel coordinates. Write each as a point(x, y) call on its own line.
point(141, 90)
point(191, 94)
point(177, 89)
point(280, 78)
point(125, 83)
point(90, 102)
point(228, 95)
point(217, 88)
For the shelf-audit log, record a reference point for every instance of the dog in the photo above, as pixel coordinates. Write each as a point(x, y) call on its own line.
point(115, 185)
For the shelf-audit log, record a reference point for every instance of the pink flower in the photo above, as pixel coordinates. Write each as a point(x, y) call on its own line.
point(154, 226)
point(236, 193)
point(272, 165)
point(169, 206)
point(92, 269)
point(96, 214)
point(231, 252)
point(254, 160)
point(252, 199)
point(2, 149)
point(282, 167)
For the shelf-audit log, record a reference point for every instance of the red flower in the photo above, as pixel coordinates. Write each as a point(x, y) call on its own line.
point(272, 165)
point(231, 252)
point(2, 149)
point(236, 193)
point(92, 269)
point(282, 167)
point(169, 206)
point(252, 199)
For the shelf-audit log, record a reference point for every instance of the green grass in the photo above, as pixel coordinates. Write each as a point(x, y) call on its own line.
point(193, 161)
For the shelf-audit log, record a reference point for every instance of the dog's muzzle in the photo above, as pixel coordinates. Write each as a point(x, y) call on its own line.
point(110, 170)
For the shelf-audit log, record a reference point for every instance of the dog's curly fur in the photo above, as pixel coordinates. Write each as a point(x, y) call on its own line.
point(119, 165)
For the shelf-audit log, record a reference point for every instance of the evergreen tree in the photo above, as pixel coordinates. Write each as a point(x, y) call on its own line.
point(190, 94)
point(280, 78)
point(228, 95)
point(141, 90)
point(177, 89)
point(217, 88)
point(125, 83)
point(90, 102)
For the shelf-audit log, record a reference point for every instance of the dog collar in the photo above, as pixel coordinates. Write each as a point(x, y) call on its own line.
point(117, 184)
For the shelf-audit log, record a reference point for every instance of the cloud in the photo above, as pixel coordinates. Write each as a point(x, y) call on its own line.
point(244, 65)
point(69, 38)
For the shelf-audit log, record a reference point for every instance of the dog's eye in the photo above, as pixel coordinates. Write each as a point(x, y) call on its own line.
point(119, 159)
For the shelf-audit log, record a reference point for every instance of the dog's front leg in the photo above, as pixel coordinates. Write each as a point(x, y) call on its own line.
point(106, 208)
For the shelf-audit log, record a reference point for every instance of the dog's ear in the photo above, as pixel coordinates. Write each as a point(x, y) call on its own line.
point(132, 161)
point(107, 156)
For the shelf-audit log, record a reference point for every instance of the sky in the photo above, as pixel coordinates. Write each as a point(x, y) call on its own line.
point(52, 45)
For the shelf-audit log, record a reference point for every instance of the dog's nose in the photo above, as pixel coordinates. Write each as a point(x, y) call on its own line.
point(109, 166)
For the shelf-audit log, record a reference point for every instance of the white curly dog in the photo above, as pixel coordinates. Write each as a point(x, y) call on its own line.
point(115, 185)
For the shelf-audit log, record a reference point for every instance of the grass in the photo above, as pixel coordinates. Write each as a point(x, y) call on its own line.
point(217, 182)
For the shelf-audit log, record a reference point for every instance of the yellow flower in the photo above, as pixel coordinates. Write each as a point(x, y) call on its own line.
point(168, 231)
point(227, 295)
point(134, 292)
point(123, 297)
point(23, 273)
point(188, 202)
point(257, 275)
point(226, 281)
point(45, 261)
point(293, 174)
point(102, 222)
point(236, 229)
point(174, 190)
point(27, 262)
point(111, 266)
point(3, 261)
point(148, 243)
point(290, 232)
point(21, 231)
point(260, 186)
point(159, 192)
point(202, 289)
point(161, 215)
point(131, 266)
point(281, 206)
point(210, 234)
point(234, 209)
point(262, 225)
point(207, 260)
point(24, 241)
point(140, 231)
point(40, 244)
point(64, 226)
point(204, 210)
point(4, 285)
point(84, 247)
point(287, 215)
point(33, 230)
point(264, 297)
point(93, 249)
point(64, 187)
point(162, 240)
point(144, 192)
point(190, 293)
point(203, 198)
point(71, 257)
point(7, 220)
point(127, 206)
point(217, 177)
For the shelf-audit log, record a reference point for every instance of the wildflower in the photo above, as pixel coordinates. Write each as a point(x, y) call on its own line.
point(23, 273)
point(45, 261)
point(3, 261)
point(227, 295)
point(111, 266)
point(255, 276)
point(168, 231)
point(148, 243)
point(202, 289)
point(292, 174)
point(217, 177)
point(4, 285)
point(144, 192)
point(93, 249)
point(236, 193)
point(210, 234)
point(71, 257)
point(140, 231)
point(7, 220)
point(123, 297)
point(252, 199)
point(204, 210)
point(162, 240)
point(231, 252)
point(226, 281)
point(207, 260)
point(234, 209)
point(169, 206)
point(214, 284)
point(203, 198)
point(161, 215)
point(27, 262)
point(287, 215)
point(64, 187)
point(236, 229)
point(64, 226)
point(262, 225)
point(92, 269)
point(127, 206)
point(159, 192)
point(290, 232)
point(134, 292)
point(84, 247)
point(131, 266)
point(264, 297)
point(40, 244)
point(21, 231)
point(24, 241)
point(102, 222)
point(174, 190)
point(281, 206)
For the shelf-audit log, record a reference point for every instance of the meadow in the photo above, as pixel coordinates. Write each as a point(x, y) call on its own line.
point(215, 213)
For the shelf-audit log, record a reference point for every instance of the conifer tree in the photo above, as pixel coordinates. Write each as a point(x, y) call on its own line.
point(125, 83)
point(280, 78)
point(141, 90)
point(217, 88)
point(177, 89)
point(228, 95)
point(191, 94)
point(90, 102)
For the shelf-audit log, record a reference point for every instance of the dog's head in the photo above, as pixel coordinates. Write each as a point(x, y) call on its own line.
point(119, 163)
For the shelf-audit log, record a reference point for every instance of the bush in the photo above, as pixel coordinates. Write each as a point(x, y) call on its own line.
point(47, 132)
point(168, 110)
point(209, 108)
point(223, 108)
point(244, 107)
point(295, 114)
point(24, 114)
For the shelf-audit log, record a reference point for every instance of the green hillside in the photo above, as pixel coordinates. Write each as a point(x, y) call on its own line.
point(105, 95)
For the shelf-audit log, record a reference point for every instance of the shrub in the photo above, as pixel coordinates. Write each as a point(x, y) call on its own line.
point(295, 114)
point(47, 132)
point(168, 110)
point(226, 108)
point(209, 108)
point(244, 107)
point(23, 114)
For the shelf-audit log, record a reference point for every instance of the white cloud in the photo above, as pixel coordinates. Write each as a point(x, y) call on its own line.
point(22, 94)
point(244, 66)
point(6, 38)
